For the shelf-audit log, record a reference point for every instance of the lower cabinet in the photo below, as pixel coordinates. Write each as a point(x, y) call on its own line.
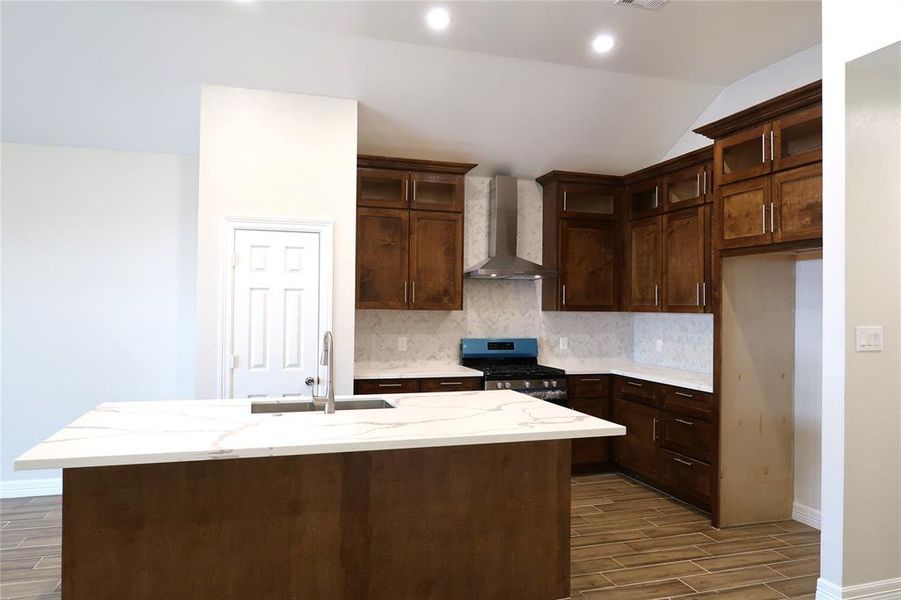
point(670, 439)
point(413, 386)
point(590, 394)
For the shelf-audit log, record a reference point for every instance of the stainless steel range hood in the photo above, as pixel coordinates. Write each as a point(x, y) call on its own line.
point(503, 263)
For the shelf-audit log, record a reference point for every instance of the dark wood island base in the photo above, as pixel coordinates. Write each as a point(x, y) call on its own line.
point(484, 521)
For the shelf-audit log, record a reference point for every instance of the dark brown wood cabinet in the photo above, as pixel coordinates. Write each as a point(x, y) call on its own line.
point(645, 198)
point(685, 260)
point(798, 138)
point(382, 257)
point(687, 187)
point(413, 386)
point(637, 451)
point(587, 271)
point(590, 394)
point(797, 210)
point(436, 260)
point(409, 233)
point(645, 265)
point(687, 478)
point(742, 214)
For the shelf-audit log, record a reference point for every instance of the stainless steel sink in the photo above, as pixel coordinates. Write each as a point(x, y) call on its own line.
point(285, 406)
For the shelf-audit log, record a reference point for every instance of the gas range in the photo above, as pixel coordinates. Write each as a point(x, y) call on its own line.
point(512, 364)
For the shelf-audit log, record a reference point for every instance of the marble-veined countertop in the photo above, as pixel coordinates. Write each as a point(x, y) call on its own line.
point(702, 382)
point(128, 433)
point(370, 371)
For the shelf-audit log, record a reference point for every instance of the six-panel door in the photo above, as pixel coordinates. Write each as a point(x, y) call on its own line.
point(743, 213)
point(382, 257)
point(685, 287)
point(436, 260)
point(588, 265)
point(645, 264)
point(798, 204)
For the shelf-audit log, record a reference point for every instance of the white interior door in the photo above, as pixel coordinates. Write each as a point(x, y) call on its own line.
point(275, 313)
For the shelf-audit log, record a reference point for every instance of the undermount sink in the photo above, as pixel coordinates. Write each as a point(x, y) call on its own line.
point(283, 406)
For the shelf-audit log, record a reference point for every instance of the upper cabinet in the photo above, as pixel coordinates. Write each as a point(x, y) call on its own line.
point(588, 266)
point(687, 187)
point(409, 234)
point(767, 171)
point(588, 201)
point(645, 198)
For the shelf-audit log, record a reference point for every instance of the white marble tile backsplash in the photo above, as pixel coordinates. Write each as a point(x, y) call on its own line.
point(513, 309)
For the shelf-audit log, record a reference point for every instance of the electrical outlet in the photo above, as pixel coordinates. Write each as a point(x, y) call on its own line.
point(658, 345)
point(402, 344)
point(869, 339)
point(564, 343)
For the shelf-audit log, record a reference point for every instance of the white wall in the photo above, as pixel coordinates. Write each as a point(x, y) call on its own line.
point(269, 154)
point(850, 555)
point(808, 387)
point(98, 288)
point(788, 74)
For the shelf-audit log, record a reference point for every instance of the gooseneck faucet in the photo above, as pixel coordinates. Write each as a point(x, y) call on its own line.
point(327, 360)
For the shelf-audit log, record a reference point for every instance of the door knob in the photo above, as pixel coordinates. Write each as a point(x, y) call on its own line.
point(310, 381)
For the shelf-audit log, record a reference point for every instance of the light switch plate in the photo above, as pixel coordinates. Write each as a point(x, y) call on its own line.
point(869, 338)
point(564, 343)
point(658, 345)
point(402, 344)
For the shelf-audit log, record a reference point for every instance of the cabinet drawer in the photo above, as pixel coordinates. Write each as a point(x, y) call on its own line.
point(686, 476)
point(385, 386)
point(581, 386)
point(637, 390)
point(689, 436)
point(688, 402)
point(450, 384)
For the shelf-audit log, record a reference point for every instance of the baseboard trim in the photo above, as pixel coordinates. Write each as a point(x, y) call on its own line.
point(807, 515)
point(24, 488)
point(887, 589)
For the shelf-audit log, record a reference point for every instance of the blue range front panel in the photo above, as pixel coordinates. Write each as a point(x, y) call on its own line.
point(499, 348)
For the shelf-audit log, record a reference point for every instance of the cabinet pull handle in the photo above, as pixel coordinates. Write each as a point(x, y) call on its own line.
point(406, 190)
point(564, 294)
point(589, 379)
point(405, 292)
point(564, 200)
point(656, 196)
point(772, 218)
point(684, 395)
point(698, 185)
point(762, 150)
point(414, 190)
point(684, 462)
point(772, 152)
point(704, 293)
point(705, 182)
point(654, 433)
point(451, 383)
point(698, 294)
point(656, 295)
point(763, 218)
point(635, 383)
point(684, 422)
point(390, 384)
point(413, 293)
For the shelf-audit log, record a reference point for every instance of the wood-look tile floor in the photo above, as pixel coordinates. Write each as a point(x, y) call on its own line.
point(629, 542)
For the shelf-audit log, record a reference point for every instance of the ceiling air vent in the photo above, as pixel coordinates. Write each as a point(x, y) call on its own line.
point(648, 4)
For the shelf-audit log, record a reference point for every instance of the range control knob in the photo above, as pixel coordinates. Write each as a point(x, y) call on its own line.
point(499, 385)
point(528, 384)
point(544, 383)
point(507, 384)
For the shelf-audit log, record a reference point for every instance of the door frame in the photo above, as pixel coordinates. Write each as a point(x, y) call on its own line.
point(230, 225)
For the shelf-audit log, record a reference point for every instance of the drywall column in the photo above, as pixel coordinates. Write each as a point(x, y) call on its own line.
point(276, 155)
point(860, 548)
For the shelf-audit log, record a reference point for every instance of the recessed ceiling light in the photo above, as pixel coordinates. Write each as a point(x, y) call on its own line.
point(438, 19)
point(603, 43)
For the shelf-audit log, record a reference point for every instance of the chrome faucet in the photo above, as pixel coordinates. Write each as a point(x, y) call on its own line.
point(326, 360)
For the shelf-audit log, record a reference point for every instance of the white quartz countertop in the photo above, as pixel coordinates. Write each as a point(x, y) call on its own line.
point(128, 433)
point(413, 372)
point(702, 382)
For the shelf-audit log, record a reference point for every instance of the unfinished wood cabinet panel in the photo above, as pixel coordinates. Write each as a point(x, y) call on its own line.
point(798, 204)
point(743, 214)
point(436, 260)
point(756, 389)
point(685, 261)
point(382, 188)
point(638, 449)
point(645, 264)
point(588, 257)
point(382, 257)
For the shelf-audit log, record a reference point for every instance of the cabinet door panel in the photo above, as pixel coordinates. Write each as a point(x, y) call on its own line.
point(685, 261)
point(685, 188)
point(588, 265)
point(589, 452)
point(436, 260)
point(687, 435)
point(742, 155)
point(645, 264)
point(451, 384)
point(382, 188)
point(798, 139)
point(798, 201)
point(644, 198)
point(743, 214)
point(436, 191)
point(637, 450)
point(687, 477)
point(587, 201)
point(385, 386)
point(382, 257)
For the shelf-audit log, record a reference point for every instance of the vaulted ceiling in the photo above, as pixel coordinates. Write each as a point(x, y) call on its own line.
point(511, 85)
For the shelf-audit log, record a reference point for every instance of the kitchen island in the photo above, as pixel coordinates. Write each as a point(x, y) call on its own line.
point(449, 495)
